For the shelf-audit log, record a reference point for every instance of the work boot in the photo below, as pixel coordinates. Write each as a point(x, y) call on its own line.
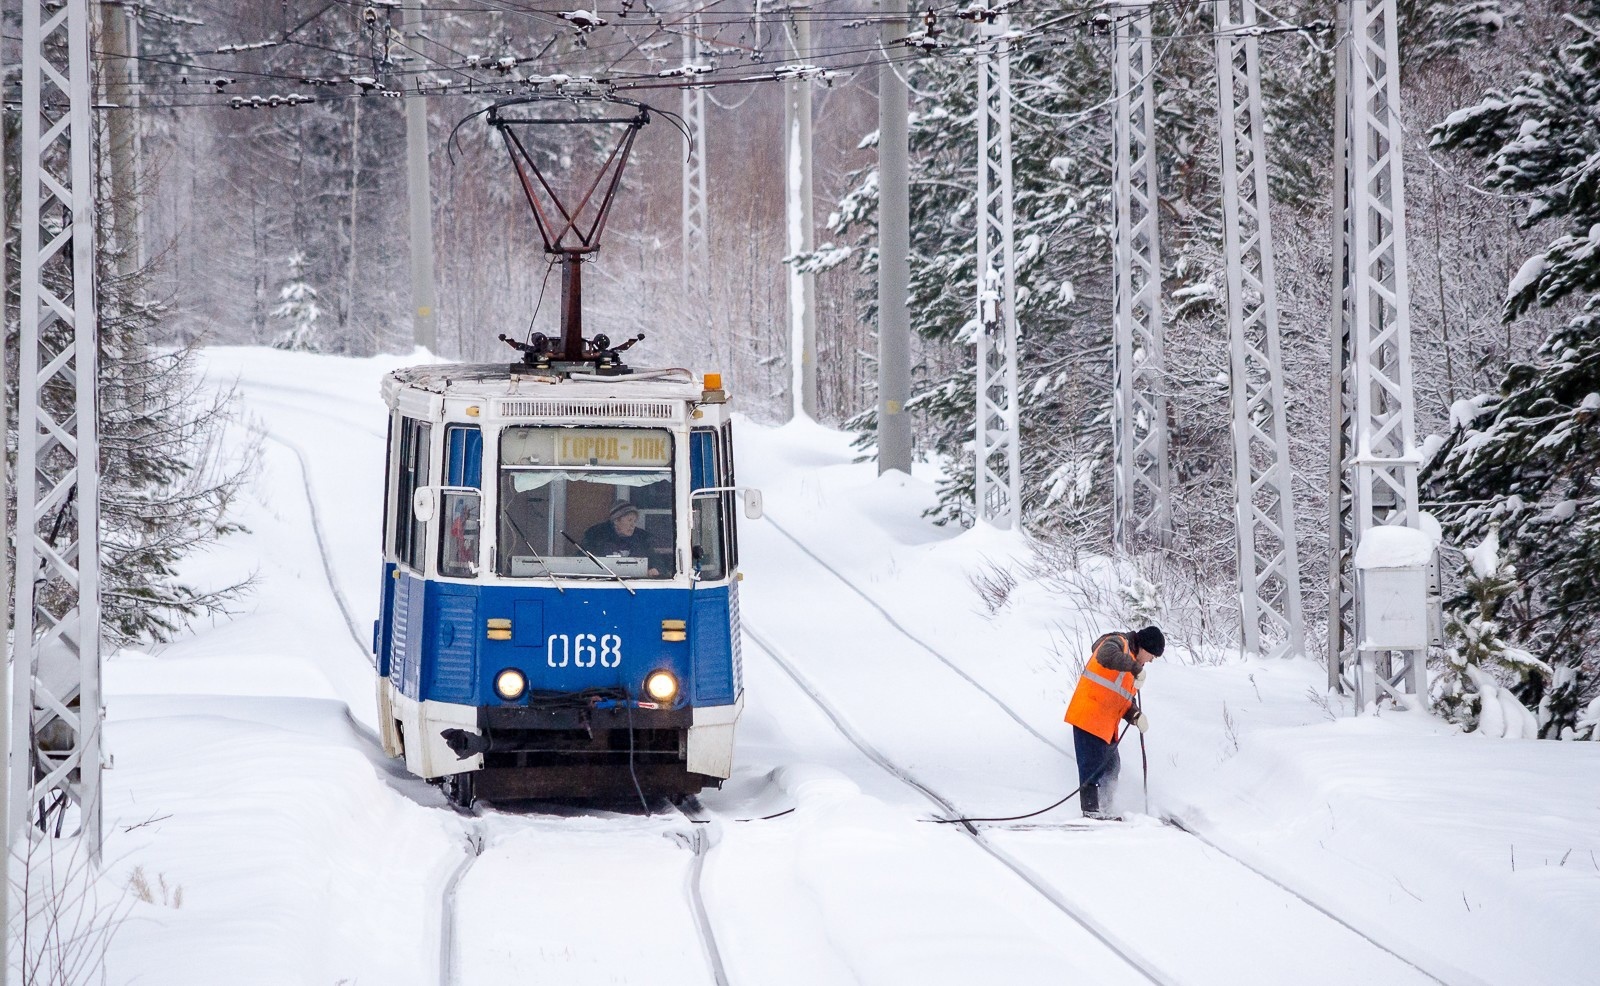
point(1089, 800)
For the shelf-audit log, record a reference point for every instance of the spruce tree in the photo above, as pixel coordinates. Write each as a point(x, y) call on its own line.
point(164, 484)
point(298, 307)
point(1060, 139)
point(1526, 460)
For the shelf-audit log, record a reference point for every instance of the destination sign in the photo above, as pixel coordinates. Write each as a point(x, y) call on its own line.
point(638, 447)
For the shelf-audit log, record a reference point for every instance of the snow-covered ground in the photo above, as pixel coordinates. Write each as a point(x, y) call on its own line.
point(260, 837)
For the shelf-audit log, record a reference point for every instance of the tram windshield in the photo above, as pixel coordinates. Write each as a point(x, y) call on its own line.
point(567, 494)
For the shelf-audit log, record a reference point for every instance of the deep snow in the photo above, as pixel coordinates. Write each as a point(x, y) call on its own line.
point(244, 775)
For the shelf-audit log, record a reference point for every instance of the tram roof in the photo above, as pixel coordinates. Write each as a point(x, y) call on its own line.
point(474, 380)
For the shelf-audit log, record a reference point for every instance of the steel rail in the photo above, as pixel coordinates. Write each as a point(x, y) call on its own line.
point(1028, 876)
point(1456, 978)
point(447, 904)
point(702, 844)
point(969, 679)
point(322, 548)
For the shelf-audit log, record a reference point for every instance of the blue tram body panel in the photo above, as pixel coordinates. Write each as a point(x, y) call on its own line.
point(439, 648)
point(382, 628)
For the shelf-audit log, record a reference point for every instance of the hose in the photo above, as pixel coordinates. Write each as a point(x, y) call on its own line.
point(1017, 818)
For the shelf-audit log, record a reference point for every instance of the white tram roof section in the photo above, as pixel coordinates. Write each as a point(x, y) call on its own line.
point(517, 391)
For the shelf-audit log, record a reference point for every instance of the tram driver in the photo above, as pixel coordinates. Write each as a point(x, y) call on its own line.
point(620, 534)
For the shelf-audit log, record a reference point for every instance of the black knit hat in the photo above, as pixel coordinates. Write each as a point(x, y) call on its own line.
point(1151, 640)
point(623, 509)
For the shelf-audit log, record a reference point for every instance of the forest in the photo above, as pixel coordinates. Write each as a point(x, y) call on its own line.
point(286, 224)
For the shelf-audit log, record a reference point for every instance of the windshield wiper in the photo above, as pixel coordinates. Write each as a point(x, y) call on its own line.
point(608, 568)
point(536, 556)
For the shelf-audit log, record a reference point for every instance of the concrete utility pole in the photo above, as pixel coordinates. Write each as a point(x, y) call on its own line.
point(1373, 481)
point(797, 184)
point(894, 249)
point(999, 465)
point(1143, 512)
point(419, 192)
point(122, 134)
point(56, 711)
point(696, 252)
point(1269, 560)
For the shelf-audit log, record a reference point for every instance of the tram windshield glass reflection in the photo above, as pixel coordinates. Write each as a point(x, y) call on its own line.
point(606, 489)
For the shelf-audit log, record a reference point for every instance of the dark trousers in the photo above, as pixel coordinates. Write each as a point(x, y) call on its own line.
point(1098, 764)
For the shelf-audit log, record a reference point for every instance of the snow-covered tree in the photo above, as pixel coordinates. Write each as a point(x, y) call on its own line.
point(297, 305)
point(163, 491)
point(1060, 141)
point(1479, 654)
point(1541, 143)
point(1526, 461)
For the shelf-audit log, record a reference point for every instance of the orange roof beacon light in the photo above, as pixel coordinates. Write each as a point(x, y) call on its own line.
point(713, 392)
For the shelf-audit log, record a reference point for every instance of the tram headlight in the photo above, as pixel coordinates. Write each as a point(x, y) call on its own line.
point(661, 686)
point(510, 684)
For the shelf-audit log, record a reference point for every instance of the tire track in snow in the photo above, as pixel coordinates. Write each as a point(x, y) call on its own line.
point(1456, 976)
point(1028, 876)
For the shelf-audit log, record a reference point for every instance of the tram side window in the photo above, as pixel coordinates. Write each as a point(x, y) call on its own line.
point(410, 534)
point(460, 503)
point(388, 472)
point(706, 519)
point(461, 513)
point(463, 456)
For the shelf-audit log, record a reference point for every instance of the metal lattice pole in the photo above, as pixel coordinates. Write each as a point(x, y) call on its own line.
point(1381, 442)
point(1341, 497)
point(55, 776)
point(1269, 561)
point(1139, 410)
point(695, 252)
point(999, 466)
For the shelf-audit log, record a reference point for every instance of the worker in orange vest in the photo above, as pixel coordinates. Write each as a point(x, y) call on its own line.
point(1107, 694)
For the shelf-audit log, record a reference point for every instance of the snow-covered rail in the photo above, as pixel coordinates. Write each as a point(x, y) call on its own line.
point(1122, 950)
point(447, 905)
point(702, 842)
point(924, 645)
point(1427, 968)
point(580, 897)
point(322, 547)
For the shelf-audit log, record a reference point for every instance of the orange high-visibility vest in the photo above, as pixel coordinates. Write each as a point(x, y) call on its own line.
point(1103, 696)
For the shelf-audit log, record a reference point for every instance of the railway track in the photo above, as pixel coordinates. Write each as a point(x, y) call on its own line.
point(1123, 950)
point(702, 832)
point(697, 837)
point(1424, 967)
point(487, 829)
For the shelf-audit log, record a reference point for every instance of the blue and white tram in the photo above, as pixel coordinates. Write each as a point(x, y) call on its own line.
point(560, 609)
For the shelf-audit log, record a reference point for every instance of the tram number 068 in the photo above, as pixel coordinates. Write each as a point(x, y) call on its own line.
point(583, 650)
